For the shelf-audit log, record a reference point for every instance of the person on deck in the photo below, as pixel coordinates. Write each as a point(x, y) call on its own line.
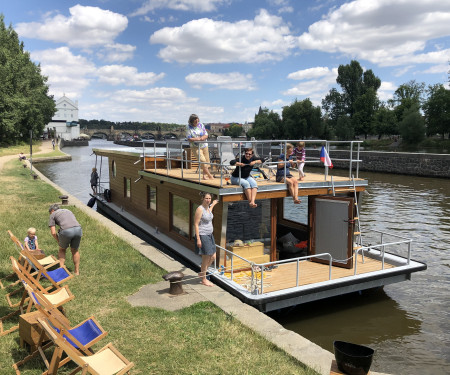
point(300, 154)
point(94, 180)
point(284, 175)
point(195, 134)
point(204, 237)
point(69, 233)
point(248, 183)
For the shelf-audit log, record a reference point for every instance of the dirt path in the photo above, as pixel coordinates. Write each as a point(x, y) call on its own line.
point(46, 147)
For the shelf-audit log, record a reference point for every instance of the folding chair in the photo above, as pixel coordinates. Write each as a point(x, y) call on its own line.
point(45, 261)
point(225, 150)
point(107, 361)
point(56, 298)
point(81, 337)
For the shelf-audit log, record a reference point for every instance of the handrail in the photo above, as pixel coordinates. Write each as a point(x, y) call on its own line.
point(263, 266)
point(242, 144)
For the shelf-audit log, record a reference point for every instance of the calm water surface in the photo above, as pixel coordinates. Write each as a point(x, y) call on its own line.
point(408, 323)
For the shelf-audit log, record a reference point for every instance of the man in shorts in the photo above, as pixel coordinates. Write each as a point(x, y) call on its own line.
point(69, 234)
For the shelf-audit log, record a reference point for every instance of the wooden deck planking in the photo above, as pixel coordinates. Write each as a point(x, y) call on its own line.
point(284, 276)
point(193, 176)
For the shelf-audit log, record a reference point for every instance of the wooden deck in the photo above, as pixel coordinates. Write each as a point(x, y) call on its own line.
point(192, 175)
point(284, 276)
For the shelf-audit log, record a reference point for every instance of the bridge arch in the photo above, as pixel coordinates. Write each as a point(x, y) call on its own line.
point(101, 135)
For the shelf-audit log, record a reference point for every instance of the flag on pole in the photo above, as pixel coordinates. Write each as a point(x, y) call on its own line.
point(324, 158)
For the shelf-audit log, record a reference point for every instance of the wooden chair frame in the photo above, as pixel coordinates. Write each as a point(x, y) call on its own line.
point(108, 356)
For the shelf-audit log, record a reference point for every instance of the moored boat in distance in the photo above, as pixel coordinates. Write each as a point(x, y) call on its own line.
point(275, 255)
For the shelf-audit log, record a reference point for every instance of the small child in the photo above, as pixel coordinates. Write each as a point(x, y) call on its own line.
point(299, 152)
point(31, 241)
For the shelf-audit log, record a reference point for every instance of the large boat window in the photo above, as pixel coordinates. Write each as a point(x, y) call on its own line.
point(296, 212)
point(249, 225)
point(151, 197)
point(114, 168)
point(127, 187)
point(180, 212)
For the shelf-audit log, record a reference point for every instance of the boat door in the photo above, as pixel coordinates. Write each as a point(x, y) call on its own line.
point(331, 229)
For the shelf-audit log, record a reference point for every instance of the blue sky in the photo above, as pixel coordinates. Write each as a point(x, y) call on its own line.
point(161, 60)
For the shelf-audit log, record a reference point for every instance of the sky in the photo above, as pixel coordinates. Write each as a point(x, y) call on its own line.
point(161, 60)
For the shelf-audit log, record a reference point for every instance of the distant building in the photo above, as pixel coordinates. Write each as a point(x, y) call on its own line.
point(65, 121)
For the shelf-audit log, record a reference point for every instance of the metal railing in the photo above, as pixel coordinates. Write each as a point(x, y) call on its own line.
point(174, 151)
point(259, 268)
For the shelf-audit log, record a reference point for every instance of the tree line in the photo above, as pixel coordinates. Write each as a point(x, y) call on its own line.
point(129, 125)
point(25, 105)
point(414, 112)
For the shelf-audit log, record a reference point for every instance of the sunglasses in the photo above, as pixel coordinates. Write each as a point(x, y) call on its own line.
point(249, 153)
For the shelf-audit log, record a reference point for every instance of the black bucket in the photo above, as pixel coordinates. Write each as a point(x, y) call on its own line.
point(353, 359)
point(91, 202)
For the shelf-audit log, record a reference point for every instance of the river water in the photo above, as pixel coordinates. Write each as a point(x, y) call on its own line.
point(408, 323)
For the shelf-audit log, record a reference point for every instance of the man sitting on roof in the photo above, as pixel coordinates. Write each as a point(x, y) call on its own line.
point(248, 183)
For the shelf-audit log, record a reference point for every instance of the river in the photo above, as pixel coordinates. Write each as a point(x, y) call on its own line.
point(408, 323)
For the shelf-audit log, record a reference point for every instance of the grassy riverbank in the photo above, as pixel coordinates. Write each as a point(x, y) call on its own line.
point(201, 339)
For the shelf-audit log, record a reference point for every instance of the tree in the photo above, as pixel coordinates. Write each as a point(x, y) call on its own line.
point(234, 131)
point(406, 96)
point(24, 101)
point(412, 127)
point(267, 125)
point(385, 122)
point(302, 120)
point(437, 110)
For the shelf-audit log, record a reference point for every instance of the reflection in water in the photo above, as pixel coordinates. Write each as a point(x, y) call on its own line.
point(408, 323)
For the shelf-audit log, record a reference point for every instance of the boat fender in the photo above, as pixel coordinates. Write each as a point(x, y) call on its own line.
point(107, 195)
point(91, 202)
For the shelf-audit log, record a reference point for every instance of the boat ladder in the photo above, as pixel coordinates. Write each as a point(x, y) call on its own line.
point(357, 234)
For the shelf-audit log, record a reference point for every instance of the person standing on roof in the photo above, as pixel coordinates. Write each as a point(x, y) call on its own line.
point(195, 134)
point(69, 233)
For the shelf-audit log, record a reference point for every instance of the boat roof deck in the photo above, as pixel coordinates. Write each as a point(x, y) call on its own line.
point(312, 181)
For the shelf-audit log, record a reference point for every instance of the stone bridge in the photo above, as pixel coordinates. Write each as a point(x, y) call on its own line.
point(123, 135)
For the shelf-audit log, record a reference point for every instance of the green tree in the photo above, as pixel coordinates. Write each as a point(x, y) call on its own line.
point(385, 122)
point(408, 95)
point(437, 110)
point(344, 128)
point(24, 101)
point(234, 131)
point(302, 120)
point(412, 127)
point(267, 125)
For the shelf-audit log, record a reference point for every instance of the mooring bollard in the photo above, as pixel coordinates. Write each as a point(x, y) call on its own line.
point(64, 199)
point(175, 278)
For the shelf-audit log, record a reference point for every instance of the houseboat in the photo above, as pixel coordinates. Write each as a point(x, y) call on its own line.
point(275, 255)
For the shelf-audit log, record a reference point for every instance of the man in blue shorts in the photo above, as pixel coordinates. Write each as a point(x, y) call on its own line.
point(69, 234)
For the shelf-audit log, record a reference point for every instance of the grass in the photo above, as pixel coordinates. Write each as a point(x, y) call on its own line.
point(200, 339)
point(23, 147)
point(55, 152)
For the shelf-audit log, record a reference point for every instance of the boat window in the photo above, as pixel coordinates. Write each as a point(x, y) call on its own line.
point(127, 187)
point(240, 215)
point(151, 197)
point(114, 168)
point(296, 212)
point(180, 215)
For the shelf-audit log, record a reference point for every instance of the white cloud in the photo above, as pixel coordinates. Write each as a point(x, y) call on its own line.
point(316, 72)
point(205, 41)
point(384, 32)
point(183, 5)
point(386, 90)
point(228, 81)
point(86, 27)
point(126, 75)
point(67, 73)
point(116, 52)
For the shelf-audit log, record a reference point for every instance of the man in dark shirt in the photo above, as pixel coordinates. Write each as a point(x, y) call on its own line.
point(69, 233)
point(248, 183)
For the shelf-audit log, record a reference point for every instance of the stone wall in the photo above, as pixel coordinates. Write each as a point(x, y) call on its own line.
point(415, 164)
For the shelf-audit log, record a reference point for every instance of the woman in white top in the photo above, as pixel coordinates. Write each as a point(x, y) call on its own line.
point(205, 244)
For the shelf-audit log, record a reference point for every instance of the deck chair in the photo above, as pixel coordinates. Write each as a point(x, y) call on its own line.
point(56, 298)
point(226, 154)
point(45, 261)
point(107, 361)
point(80, 337)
